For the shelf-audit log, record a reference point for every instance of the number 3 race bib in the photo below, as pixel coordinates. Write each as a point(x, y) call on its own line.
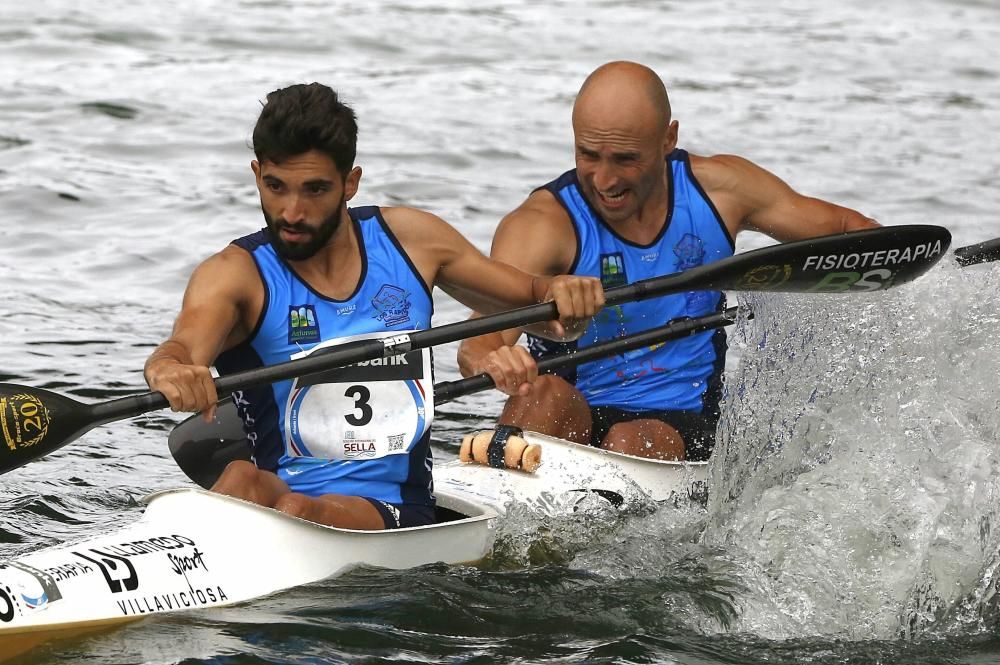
point(364, 411)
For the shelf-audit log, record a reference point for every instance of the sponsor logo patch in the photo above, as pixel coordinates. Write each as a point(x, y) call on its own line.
point(24, 420)
point(764, 277)
point(613, 270)
point(355, 448)
point(303, 325)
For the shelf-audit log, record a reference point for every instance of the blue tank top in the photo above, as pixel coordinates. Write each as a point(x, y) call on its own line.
point(671, 376)
point(391, 295)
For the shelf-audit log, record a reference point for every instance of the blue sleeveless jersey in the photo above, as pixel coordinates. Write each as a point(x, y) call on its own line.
point(671, 376)
point(391, 295)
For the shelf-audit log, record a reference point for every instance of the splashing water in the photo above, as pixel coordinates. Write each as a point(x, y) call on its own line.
point(855, 484)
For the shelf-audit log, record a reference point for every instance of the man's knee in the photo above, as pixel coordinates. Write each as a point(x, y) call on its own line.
point(243, 480)
point(549, 392)
point(552, 387)
point(645, 438)
point(296, 505)
point(238, 473)
point(554, 407)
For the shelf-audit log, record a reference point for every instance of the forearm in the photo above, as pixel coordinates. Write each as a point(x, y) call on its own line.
point(538, 290)
point(505, 288)
point(829, 218)
point(473, 351)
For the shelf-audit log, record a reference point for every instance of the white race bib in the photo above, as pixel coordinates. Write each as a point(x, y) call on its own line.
point(364, 411)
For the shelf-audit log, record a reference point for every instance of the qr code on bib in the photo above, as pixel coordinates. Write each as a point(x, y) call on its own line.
point(395, 442)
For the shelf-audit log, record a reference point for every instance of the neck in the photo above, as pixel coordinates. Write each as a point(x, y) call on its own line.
point(335, 269)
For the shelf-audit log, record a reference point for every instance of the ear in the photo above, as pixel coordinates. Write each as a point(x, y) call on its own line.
point(255, 167)
point(352, 182)
point(670, 139)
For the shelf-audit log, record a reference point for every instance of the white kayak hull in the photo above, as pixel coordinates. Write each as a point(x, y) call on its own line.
point(194, 549)
point(569, 469)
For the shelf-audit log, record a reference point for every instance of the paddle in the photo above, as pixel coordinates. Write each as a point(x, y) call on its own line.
point(447, 391)
point(35, 422)
point(202, 450)
point(988, 250)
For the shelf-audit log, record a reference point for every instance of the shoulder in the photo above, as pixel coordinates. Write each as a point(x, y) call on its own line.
point(722, 172)
point(542, 203)
point(231, 269)
point(737, 186)
point(403, 216)
point(232, 258)
point(429, 241)
point(540, 215)
point(538, 236)
point(413, 225)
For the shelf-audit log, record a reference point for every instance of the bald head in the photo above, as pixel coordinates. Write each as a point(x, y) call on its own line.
point(622, 92)
point(624, 136)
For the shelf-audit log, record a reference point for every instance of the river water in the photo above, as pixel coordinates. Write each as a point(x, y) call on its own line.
point(854, 506)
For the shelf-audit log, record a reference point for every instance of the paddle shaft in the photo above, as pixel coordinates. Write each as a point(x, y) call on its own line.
point(447, 391)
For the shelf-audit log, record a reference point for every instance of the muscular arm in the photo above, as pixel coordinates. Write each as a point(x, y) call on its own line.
point(749, 197)
point(538, 238)
point(445, 258)
point(214, 316)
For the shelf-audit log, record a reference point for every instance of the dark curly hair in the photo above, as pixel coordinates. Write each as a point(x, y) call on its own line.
point(306, 117)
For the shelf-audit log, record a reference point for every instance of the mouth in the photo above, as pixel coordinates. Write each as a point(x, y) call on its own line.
point(612, 198)
point(290, 234)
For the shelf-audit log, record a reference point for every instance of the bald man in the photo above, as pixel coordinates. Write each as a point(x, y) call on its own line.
point(636, 206)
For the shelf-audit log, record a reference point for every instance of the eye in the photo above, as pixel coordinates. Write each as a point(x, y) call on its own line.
point(273, 185)
point(316, 188)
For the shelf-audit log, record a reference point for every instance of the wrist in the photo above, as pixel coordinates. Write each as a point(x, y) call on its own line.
point(540, 288)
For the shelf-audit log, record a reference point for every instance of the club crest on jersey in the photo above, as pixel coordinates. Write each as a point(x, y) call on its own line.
point(690, 251)
point(302, 324)
point(613, 270)
point(392, 304)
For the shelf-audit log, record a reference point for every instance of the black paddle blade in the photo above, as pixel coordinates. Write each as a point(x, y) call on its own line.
point(869, 260)
point(202, 450)
point(978, 253)
point(35, 422)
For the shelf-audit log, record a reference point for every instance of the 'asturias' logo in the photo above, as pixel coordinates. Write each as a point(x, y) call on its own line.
point(302, 324)
point(613, 270)
point(392, 304)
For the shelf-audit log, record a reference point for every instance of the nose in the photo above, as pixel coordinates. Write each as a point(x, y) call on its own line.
point(292, 209)
point(604, 176)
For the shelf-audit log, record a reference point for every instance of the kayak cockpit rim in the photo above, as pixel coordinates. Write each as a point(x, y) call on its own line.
point(452, 509)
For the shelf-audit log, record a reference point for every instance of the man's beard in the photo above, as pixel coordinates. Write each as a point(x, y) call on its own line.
point(318, 238)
